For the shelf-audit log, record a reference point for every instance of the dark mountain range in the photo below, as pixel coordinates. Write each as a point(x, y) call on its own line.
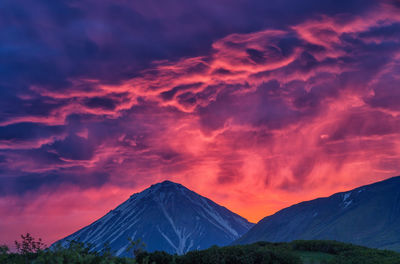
point(167, 216)
point(368, 215)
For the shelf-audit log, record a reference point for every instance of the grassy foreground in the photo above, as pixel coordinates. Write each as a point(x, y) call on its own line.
point(296, 252)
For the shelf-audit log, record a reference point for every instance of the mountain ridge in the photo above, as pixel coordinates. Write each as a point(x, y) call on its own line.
point(365, 215)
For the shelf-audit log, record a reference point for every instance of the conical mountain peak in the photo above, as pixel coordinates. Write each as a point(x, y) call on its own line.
point(160, 190)
point(166, 216)
point(167, 185)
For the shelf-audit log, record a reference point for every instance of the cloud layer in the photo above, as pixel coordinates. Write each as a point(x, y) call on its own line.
point(269, 105)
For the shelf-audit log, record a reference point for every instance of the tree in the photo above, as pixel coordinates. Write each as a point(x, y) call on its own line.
point(136, 246)
point(3, 253)
point(4, 249)
point(29, 245)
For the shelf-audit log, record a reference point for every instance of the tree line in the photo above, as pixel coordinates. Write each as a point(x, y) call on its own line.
point(32, 251)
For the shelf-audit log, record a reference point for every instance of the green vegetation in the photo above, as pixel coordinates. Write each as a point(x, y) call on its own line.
point(296, 252)
point(333, 252)
point(309, 257)
point(30, 251)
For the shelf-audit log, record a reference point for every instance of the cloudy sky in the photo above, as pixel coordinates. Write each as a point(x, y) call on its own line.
point(254, 104)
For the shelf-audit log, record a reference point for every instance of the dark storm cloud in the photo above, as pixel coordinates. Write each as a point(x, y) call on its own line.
point(361, 123)
point(48, 42)
point(72, 60)
point(101, 102)
point(30, 183)
point(258, 108)
point(25, 131)
point(74, 147)
point(387, 32)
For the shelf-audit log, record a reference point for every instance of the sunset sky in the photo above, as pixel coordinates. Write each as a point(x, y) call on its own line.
point(254, 104)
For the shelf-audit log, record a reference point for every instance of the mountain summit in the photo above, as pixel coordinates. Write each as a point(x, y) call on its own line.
point(368, 215)
point(167, 216)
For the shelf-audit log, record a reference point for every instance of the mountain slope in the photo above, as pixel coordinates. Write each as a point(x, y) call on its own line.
point(167, 216)
point(368, 215)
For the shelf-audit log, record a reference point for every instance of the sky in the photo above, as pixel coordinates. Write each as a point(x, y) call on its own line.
point(254, 104)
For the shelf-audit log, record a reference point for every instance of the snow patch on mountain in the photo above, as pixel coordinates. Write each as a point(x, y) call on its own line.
point(346, 196)
point(346, 201)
